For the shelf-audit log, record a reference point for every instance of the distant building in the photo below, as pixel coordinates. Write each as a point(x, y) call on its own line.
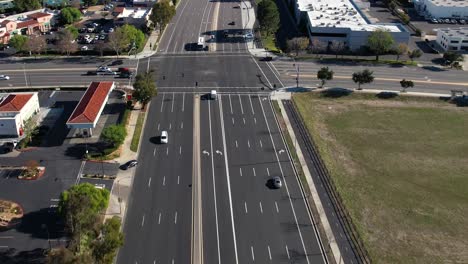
point(144, 3)
point(137, 16)
point(442, 8)
point(455, 39)
point(15, 109)
point(86, 114)
point(342, 21)
point(24, 24)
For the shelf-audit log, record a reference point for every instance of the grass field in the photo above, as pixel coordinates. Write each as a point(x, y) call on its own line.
point(401, 167)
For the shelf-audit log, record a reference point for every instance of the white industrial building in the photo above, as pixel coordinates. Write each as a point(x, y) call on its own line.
point(15, 109)
point(342, 21)
point(442, 8)
point(455, 39)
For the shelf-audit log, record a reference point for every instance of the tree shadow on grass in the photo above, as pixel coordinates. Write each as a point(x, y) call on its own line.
point(336, 92)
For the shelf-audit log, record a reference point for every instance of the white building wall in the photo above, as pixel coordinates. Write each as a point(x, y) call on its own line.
point(428, 8)
point(31, 108)
point(449, 40)
point(10, 126)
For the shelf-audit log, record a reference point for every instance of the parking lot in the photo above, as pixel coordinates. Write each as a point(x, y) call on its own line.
point(39, 198)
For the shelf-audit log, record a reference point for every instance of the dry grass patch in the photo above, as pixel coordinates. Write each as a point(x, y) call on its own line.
point(401, 167)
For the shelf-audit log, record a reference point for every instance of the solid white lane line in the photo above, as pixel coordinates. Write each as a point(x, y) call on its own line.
point(261, 145)
point(164, 181)
point(159, 219)
point(223, 133)
point(255, 120)
point(143, 220)
point(158, 126)
point(182, 125)
point(149, 182)
point(154, 152)
point(287, 252)
point(254, 173)
point(230, 104)
point(240, 101)
point(245, 205)
point(276, 205)
point(167, 151)
point(214, 184)
point(175, 218)
point(252, 251)
point(232, 120)
point(162, 102)
point(285, 182)
point(180, 150)
point(172, 107)
point(258, 66)
point(269, 252)
point(248, 143)
point(243, 120)
point(268, 172)
point(240, 171)
point(3, 246)
point(178, 179)
point(237, 144)
point(148, 66)
point(183, 102)
point(251, 105)
point(261, 207)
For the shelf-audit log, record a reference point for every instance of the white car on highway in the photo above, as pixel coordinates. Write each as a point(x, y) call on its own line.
point(4, 77)
point(104, 70)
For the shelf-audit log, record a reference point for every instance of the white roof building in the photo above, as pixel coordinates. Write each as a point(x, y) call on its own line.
point(343, 21)
point(455, 39)
point(442, 8)
point(132, 15)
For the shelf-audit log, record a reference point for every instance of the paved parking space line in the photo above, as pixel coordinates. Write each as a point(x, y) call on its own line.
point(261, 144)
point(159, 219)
point(149, 182)
point(178, 179)
point(287, 252)
point(269, 251)
point(232, 120)
point(261, 207)
point(162, 102)
point(252, 251)
point(172, 107)
point(183, 102)
point(240, 171)
point(251, 105)
point(237, 144)
point(276, 205)
point(268, 172)
point(182, 125)
point(170, 126)
point(245, 206)
point(254, 173)
point(243, 119)
point(230, 104)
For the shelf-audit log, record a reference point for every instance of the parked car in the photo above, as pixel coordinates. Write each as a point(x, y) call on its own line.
point(102, 37)
point(462, 21)
point(4, 77)
point(84, 48)
point(111, 30)
point(249, 36)
point(434, 21)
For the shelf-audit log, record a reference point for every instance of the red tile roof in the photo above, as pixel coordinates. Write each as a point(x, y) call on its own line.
point(6, 21)
point(14, 102)
point(27, 23)
point(88, 108)
point(38, 15)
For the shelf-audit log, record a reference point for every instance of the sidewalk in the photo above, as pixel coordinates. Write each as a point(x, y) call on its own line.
point(120, 192)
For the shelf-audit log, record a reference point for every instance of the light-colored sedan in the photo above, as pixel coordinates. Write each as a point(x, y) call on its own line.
point(4, 77)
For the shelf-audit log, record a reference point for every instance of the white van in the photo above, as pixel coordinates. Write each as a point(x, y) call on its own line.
point(201, 43)
point(213, 95)
point(164, 138)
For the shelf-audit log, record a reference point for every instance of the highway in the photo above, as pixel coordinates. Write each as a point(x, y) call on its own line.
point(158, 224)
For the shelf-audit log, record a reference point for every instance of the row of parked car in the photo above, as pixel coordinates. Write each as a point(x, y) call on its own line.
point(448, 21)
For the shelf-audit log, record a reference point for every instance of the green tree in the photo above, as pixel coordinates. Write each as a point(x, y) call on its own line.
point(453, 58)
point(162, 13)
point(73, 30)
point(80, 206)
point(363, 77)
point(380, 42)
point(109, 240)
point(324, 75)
point(18, 42)
point(405, 18)
point(405, 84)
point(134, 35)
point(268, 16)
point(298, 44)
point(114, 134)
point(69, 15)
point(145, 88)
point(401, 49)
point(414, 54)
point(26, 5)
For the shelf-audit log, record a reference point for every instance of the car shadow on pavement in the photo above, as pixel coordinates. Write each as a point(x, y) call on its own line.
point(10, 256)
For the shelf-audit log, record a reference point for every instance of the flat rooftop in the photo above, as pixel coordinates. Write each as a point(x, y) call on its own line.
point(454, 3)
point(134, 12)
point(461, 32)
point(340, 14)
